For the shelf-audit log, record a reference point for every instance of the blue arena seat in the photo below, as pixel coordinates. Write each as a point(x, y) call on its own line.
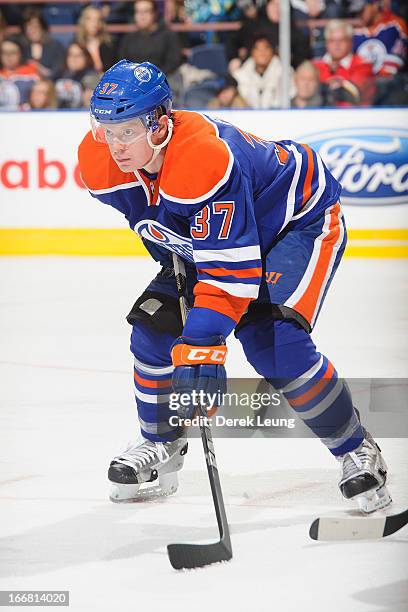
point(198, 96)
point(65, 38)
point(62, 14)
point(210, 56)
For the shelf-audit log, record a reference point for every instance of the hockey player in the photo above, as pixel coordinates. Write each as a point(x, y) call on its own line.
point(260, 228)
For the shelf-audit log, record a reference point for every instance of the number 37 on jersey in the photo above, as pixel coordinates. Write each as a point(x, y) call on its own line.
point(221, 211)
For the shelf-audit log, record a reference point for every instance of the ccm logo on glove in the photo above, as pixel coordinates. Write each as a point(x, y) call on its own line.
point(185, 354)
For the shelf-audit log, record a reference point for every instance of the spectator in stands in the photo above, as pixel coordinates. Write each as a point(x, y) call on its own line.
point(92, 34)
point(348, 78)
point(383, 39)
point(259, 77)
point(152, 41)
point(9, 95)
point(308, 9)
point(239, 42)
point(14, 68)
point(89, 82)
point(216, 10)
point(78, 64)
point(317, 9)
point(42, 95)
point(300, 44)
point(47, 53)
point(228, 96)
point(307, 83)
point(3, 27)
point(176, 13)
point(266, 23)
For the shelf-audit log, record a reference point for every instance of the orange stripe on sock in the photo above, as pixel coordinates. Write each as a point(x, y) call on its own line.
point(152, 384)
point(315, 390)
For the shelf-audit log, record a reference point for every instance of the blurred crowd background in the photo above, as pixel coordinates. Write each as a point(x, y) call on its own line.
point(217, 54)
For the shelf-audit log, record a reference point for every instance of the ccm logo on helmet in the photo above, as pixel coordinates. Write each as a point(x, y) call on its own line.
point(185, 354)
point(102, 111)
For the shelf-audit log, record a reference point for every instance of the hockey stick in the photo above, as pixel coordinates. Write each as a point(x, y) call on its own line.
point(363, 528)
point(187, 556)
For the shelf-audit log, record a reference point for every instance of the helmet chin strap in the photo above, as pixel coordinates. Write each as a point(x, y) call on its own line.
point(157, 148)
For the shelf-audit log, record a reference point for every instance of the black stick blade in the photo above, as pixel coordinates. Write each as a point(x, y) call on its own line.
point(189, 556)
point(314, 530)
point(395, 522)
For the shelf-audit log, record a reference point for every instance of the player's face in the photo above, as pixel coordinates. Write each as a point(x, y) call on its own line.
point(128, 145)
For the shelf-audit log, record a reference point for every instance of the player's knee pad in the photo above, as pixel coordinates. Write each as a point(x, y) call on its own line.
point(278, 350)
point(159, 311)
point(156, 322)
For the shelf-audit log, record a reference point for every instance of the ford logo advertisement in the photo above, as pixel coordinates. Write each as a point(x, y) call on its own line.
point(371, 164)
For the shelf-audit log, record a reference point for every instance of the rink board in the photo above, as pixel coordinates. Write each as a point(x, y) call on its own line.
point(44, 208)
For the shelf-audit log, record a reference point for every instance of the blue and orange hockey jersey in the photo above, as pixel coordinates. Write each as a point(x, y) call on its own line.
point(220, 200)
point(384, 44)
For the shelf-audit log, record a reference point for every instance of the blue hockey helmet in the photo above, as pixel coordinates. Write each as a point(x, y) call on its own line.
point(129, 91)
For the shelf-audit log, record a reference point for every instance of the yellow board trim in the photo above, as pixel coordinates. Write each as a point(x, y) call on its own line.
point(386, 252)
point(123, 242)
point(377, 234)
point(67, 241)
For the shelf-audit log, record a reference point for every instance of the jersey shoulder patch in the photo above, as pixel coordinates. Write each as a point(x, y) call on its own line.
point(197, 161)
point(99, 171)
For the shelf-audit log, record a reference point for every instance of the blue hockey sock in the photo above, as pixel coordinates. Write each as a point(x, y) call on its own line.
point(152, 378)
point(324, 404)
point(284, 353)
point(152, 390)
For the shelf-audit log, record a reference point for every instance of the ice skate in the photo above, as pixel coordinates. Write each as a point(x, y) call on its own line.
point(364, 474)
point(144, 462)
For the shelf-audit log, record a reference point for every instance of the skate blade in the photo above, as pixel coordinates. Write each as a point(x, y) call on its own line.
point(128, 494)
point(373, 500)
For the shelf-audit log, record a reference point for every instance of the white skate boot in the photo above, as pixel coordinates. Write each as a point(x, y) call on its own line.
point(364, 474)
point(144, 462)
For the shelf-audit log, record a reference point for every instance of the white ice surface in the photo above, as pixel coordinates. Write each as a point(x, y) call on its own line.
point(66, 406)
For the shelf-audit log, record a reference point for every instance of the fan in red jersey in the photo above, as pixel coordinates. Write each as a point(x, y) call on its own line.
point(348, 77)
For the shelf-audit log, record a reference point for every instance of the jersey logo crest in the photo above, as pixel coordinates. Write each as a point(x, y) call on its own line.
point(161, 235)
